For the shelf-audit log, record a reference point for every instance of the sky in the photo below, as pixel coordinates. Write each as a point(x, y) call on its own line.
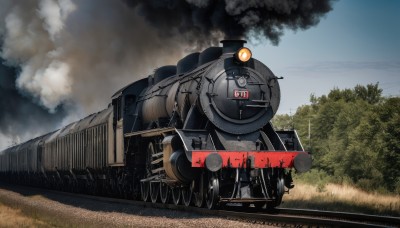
point(358, 42)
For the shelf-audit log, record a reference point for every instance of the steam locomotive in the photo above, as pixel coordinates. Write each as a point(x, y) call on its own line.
point(197, 133)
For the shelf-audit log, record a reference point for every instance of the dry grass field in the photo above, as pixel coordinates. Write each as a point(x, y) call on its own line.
point(10, 217)
point(341, 198)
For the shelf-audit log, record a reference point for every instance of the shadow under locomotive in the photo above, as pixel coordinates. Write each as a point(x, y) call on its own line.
point(198, 133)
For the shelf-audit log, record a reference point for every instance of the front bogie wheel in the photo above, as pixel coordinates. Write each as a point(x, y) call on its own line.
point(212, 193)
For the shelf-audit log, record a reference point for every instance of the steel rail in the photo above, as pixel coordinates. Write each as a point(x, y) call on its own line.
point(342, 215)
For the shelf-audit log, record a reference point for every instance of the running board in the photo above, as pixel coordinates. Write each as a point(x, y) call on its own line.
point(151, 132)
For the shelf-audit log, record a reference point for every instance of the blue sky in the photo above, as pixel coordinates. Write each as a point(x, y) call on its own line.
point(358, 42)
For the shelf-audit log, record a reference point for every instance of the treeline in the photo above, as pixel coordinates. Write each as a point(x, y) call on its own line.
point(353, 136)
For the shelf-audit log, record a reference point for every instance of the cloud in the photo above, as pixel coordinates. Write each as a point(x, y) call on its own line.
point(346, 66)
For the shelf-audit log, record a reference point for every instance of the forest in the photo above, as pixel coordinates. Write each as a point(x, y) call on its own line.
point(353, 136)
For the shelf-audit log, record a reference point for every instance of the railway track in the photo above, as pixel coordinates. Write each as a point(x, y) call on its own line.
point(278, 217)
point(389, 220)
point(283, 216)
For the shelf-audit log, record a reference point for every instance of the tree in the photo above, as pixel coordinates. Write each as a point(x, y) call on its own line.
point(355, 135)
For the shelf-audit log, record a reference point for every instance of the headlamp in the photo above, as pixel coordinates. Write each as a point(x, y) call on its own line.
point(243, 55)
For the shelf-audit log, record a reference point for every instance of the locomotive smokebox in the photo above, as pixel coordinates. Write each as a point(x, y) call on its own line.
point(239, 93)
point(232, 46)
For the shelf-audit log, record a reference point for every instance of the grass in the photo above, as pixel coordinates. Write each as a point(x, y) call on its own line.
point(18, 213)
point(334, 197)
point(11, 217)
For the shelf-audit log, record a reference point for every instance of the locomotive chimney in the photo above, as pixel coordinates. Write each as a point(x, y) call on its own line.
point(231, 46)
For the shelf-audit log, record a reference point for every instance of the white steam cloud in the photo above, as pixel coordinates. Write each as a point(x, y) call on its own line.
point(51, 84)
point(79, 52)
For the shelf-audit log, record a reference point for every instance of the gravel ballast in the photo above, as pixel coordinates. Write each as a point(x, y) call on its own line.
point(60, 209)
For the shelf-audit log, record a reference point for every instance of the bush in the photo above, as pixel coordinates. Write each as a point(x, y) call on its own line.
point(314, 177)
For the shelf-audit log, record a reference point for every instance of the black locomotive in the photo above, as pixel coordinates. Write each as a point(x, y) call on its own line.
point(196, 133)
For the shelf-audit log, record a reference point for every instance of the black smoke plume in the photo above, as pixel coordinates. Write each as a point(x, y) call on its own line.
point(202, 21)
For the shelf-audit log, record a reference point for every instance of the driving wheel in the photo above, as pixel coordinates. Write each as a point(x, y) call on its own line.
point(176, 196)
point(164, 192)
point(154, 191)
point(187, 193)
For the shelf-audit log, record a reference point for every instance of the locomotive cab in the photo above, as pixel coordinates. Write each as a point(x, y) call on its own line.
point(126, 118)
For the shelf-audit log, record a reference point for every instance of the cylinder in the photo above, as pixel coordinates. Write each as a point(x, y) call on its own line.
point(176, 165)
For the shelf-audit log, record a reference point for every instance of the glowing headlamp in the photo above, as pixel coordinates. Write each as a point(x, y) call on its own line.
point(243, 55)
